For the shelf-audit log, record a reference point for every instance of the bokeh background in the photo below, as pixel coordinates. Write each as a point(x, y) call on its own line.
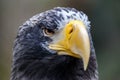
point(103, 14)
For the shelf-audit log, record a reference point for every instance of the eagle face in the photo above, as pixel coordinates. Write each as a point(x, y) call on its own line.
point(55, 45)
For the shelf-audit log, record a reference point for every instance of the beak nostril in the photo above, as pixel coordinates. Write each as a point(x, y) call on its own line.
point(70, 30)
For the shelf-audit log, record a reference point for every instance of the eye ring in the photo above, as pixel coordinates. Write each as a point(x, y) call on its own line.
point(48, 32)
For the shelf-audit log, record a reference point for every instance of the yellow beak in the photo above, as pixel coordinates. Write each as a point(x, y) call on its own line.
point(75, 42)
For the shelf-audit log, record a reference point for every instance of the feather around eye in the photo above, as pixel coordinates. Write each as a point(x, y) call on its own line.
point(48, 32)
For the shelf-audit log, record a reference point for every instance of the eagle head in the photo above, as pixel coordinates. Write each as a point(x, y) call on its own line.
point(55, 45)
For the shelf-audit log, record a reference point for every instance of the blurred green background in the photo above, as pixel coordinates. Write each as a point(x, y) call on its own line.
point(103, 14)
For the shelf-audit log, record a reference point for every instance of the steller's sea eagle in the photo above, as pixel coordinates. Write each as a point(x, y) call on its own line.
point(55, 45)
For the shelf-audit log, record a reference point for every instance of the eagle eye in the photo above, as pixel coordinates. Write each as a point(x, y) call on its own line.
point(48, 32)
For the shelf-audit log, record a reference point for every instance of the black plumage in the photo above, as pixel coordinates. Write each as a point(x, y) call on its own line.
point(32, 60)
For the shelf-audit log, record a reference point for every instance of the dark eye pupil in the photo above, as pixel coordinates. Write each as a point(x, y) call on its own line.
point(50, 31)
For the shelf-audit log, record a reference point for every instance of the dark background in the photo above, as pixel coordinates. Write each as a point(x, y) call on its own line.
point(103, 14)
